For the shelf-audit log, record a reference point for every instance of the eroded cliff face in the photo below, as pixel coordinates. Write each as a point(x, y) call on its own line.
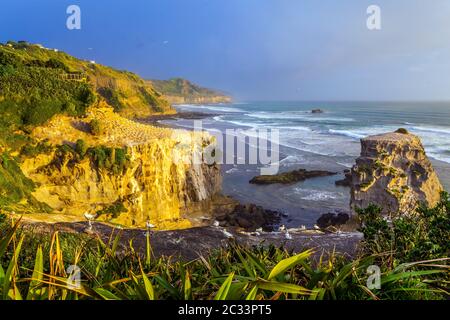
point(163, 177)
point(394, 173)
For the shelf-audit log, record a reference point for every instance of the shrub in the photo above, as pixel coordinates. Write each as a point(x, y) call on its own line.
point(56, 64)
point(114, 210)
point(112, 97)
point(96, 127)
point(81, 147)
point(114, 159)
point(402, 131)
point(30, 150)
point(419, 236)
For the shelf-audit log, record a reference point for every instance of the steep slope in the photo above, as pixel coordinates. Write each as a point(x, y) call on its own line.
point(68, 147)
point(178, 91)
point(47, 72)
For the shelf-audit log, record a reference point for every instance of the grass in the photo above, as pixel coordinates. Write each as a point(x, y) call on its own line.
point(37, 266)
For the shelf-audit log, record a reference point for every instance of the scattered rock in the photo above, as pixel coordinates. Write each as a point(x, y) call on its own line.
point(290, 177)
point(394, 173)
point(252, 217)
point(347, 181)
point(332, 220)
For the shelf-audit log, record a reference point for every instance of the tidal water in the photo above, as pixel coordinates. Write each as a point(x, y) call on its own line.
point(325, 141)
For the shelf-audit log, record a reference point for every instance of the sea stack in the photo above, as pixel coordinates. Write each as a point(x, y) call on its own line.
point(394, 173)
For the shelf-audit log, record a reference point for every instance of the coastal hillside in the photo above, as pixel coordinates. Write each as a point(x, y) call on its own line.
point(179, 91)
point(56, 82)
point(68, 146)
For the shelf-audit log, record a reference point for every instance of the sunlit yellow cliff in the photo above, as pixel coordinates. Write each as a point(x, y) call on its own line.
point(159, 183)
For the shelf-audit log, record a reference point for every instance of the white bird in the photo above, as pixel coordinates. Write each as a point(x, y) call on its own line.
point(227, 234)
point(90, 216)
point(149, 225)
point(302, 227)
point(216, 223)
point(259, 230)
point(316, 227)
point(282, 228)
point(287, 235)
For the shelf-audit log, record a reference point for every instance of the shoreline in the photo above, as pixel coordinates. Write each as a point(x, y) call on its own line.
point(189, 244)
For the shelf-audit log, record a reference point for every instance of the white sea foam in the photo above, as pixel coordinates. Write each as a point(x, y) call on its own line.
point(220, 108)
point(317, 195)
point(297, 116)
point(431, 129)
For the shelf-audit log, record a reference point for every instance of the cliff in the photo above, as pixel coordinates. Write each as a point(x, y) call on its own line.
point(394, 173)
point(180, 91)
point(67, 145)
point(158, 181)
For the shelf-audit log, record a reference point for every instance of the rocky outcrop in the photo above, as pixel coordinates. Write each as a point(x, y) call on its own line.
point(249, 217)
point(290, 177)
point(347, 181)
point(394, 173)
point(328, 220)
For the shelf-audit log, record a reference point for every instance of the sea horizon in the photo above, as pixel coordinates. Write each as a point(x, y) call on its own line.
point(325, 141)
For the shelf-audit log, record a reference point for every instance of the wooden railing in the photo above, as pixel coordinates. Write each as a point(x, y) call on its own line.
point(74, 76)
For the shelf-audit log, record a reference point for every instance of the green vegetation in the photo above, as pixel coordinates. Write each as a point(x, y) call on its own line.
point(34, 90)
point(112, 97)
point(113, 159)
point(96, 127)
point(113, 211)
point(16, 189)
point(81, 147)
point(178, 87)
point(32, 150)
point(422, 236)
point(37, 83)
point(413, 265)
point(402, 131)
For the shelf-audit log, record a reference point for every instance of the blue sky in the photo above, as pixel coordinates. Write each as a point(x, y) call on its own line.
point(256, 49)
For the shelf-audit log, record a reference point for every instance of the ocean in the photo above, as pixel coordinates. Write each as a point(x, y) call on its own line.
point(325, 141)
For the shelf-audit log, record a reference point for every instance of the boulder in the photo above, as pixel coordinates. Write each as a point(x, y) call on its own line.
point(290, 177)
point(347, 181)
point(394, 172)
point(316, 111)
point(332, 220)
point(251, 217)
